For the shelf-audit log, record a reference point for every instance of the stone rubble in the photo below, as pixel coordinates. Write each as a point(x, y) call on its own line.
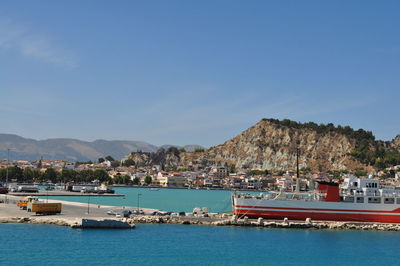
point(216, 220)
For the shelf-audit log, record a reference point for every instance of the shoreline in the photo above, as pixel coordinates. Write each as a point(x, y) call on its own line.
point(74, 214)
point(196, 188)
point(145, 219)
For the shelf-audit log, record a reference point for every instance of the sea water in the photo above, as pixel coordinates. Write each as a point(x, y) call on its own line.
point(23, 244)
point(163, 199)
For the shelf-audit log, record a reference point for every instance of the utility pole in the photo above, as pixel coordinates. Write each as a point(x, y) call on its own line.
point(297, 166)
point(8, 165)
point(138, 205)
point(88, 202)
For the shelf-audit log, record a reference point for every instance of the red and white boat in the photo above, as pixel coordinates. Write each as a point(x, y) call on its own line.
point(360, 200)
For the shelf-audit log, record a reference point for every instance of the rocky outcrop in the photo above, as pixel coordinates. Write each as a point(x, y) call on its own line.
point(272, 145)
point(269, 145)
point(167, 158)
point(395, 143)
point(217, 220)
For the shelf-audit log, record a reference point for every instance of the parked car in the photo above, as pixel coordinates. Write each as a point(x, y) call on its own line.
point(140, 212)
point(111, 212)
point(126, 213)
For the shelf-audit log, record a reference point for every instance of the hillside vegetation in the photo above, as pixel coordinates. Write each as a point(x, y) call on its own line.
point(367, 150)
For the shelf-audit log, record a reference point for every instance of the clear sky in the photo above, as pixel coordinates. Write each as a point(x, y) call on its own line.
point(196, 72)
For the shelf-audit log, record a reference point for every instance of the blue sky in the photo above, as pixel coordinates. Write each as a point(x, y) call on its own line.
point(183, 72)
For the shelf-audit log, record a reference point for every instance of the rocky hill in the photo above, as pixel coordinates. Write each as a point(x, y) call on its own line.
point(68, 149)
point(271, 145)
point(395, 143)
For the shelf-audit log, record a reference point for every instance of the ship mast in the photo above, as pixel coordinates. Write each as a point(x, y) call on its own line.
point(297, 166)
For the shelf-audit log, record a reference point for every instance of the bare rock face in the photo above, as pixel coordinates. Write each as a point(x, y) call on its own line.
point(395, 143)
point(268, 145)
point(168, 158)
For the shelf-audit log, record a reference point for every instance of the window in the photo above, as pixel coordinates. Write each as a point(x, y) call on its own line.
point(348, 199)
point(374, 200)
point(389, 200)
point(360, 200)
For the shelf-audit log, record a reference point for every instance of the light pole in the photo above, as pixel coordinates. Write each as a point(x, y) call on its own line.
point(88, 202)
point(138, 206)
point(8, 165)
point(297, 166)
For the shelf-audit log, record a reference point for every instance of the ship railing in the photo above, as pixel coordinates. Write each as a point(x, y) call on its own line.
point(311, 196)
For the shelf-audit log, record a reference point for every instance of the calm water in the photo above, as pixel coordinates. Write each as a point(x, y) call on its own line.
point(194, 245)
point(164, 199)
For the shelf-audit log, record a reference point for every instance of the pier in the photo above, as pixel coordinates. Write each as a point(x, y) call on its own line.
point(62, 193)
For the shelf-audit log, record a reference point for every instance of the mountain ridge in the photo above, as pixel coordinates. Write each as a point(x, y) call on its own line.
point(68, 148)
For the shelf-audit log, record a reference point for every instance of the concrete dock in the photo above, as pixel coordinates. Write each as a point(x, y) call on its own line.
point(72, 213)
point(62, 193)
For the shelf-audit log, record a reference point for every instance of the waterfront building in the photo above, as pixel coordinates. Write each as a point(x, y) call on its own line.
point(171, 180)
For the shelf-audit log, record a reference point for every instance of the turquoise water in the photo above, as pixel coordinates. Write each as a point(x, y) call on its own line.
point(164, 199)
point(194, 245)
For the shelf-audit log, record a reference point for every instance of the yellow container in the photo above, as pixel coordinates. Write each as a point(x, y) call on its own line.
point(44, 208)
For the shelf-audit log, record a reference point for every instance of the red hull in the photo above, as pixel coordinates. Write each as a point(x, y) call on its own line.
point(292, 215)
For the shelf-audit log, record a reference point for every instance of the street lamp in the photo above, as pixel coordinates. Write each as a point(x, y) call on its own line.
point(88, 204)
point(138, 206)
point(8, 165)
point(297, 166)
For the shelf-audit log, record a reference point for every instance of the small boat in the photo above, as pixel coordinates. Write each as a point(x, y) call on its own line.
point(154, 189)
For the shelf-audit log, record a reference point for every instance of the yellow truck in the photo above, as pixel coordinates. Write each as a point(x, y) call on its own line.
point(44, 208)
point(22, 204)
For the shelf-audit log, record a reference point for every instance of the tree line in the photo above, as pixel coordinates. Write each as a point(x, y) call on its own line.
point(27, 175)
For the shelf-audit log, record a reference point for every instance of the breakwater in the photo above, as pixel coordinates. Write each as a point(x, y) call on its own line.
point(212, 220)
point(222, 220)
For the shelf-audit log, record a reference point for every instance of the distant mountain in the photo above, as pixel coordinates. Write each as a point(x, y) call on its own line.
point(68, 149)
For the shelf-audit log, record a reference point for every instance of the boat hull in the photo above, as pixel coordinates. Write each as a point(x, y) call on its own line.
point(316, 210)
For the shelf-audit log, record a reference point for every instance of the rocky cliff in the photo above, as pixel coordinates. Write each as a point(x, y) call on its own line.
point(272, 144)
point(395, 143)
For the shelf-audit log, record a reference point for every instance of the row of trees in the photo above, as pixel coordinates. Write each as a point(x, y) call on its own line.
point(359, 134)
point(27, 175)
